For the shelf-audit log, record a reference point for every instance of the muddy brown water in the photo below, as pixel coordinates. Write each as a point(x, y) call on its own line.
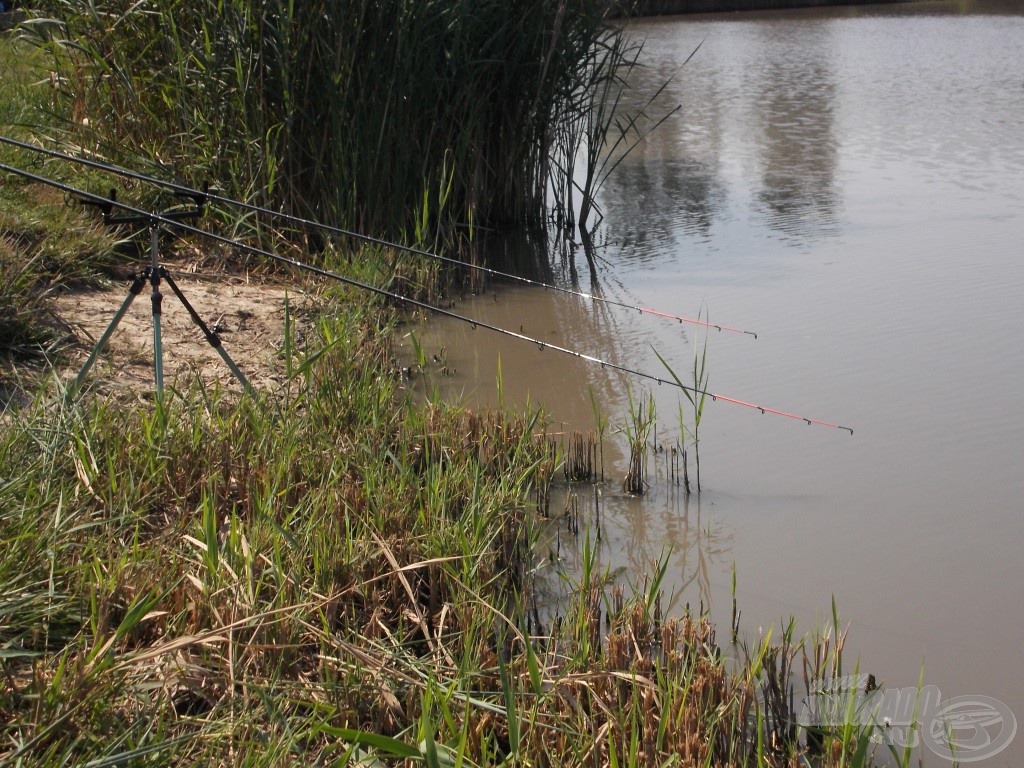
point(850, 184)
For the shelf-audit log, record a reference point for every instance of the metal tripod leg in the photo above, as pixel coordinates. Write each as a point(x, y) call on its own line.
point(212, 338)
point(133, 291)
point(157, 299)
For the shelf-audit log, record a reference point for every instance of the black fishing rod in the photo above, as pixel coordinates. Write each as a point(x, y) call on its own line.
point(177, 223)
point(298, 220)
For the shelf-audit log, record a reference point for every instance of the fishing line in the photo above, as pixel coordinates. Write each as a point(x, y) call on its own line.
point(156, 218)
point(183, 190)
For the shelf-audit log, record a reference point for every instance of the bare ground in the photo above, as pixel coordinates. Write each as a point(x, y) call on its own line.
point(247, 311)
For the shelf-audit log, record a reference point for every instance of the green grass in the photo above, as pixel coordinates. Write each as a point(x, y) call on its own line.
point(334, 572)
point(45, 243)
point(249, 562)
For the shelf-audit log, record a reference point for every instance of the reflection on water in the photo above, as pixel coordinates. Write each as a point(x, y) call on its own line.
point(849, 183)
point(669, 529)
point(797, 148)
point(694, 187)
point(783, 105)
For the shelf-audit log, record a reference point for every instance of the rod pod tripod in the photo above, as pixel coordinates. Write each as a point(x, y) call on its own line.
point(153, 274)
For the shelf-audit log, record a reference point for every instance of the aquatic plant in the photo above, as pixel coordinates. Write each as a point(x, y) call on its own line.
point(601, 423)
point(579, 462)
point(696, 393)
point(638, 431)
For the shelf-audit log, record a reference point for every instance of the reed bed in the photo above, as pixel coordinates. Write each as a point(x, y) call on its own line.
point(395, 117)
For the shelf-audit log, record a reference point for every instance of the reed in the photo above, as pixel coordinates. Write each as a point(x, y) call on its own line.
point(43, 243)
point(580, 458)
point(696, 394)
point(601, 422)
point(389, 117)
point(601, 135)
point(638, 431)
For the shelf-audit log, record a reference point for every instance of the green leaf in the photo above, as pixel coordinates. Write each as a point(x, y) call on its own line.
point(136, 612)
point(391, 746)
point(679, 383)
point(510, 708)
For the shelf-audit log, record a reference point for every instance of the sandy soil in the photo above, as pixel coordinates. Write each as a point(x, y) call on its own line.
point(247, 312)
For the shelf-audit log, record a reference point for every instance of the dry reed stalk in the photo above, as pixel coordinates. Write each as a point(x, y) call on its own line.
point(581, 458)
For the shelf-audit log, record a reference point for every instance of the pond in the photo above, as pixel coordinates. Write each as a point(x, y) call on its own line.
point(848, 183)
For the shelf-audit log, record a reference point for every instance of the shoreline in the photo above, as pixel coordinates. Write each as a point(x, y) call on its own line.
point(642, 8)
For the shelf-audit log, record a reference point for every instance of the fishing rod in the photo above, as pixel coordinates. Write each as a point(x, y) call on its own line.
point(177, 223)
point(183, 190)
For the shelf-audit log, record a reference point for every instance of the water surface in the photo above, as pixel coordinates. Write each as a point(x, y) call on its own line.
point(850, 184)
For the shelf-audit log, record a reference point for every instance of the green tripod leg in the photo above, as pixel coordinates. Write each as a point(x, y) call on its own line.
point(211, 338)
point(154, 279)
point(133, 291)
